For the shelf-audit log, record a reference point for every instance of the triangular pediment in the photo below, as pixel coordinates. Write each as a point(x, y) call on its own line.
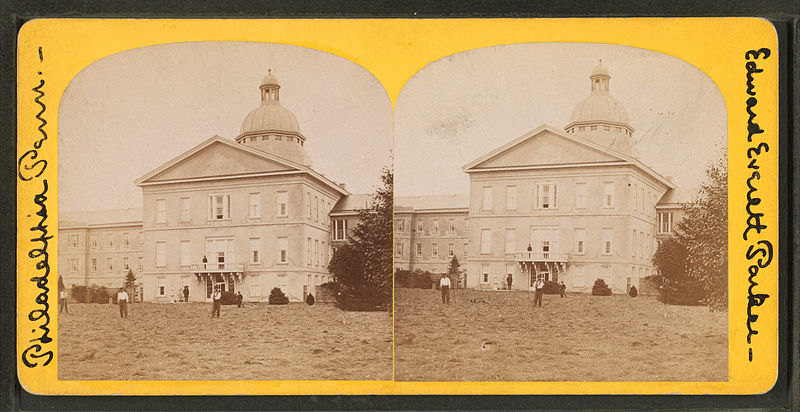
point(543, 147)
point(217, 157)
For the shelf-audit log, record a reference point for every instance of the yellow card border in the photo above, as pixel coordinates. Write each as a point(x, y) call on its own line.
point(393, 50)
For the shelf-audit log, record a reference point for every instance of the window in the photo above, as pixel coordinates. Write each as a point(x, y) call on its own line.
point(316, 209)
point(511, 198)
point(308, 252)
point(109, 265)
point(546, 196)
point(125, 265)
point(254, 210)
point(110, 238)
point(73, 240)
point(641, 192)
point(580, 195)
point(466, 225)
point(486, 241)
point(283, 250)
point(607, 245)
point(580, 241)
point(255, 248)
point(161, 211)
point(219, 207)
point(141, 240)
point(186, 247)
point(605, 274)
point(484, 273)
point(141, 264)
point(161, 286)
point(399, 249)
point(419, 249)
point(308, 194)
point(665, 222)
point(255, 285)
point(316, 252)
point(435, 226)
point(635, 196)
point(451, 250)
point(186, 207)
point(161, 254)
point(435, 250)
point(94, 265)
point(420, 225)
point(340, 229)
point(451, 226)
point(641, 244)
point(73, 265)
point(282, 199)
point(466, 249)
point(400, 225)
point(486, 205)
point(283, 282)
point(94, 242)
point(633, 244)
point(608, 194)
point(577, 275)
point(126, 240)
point(511, 238)
point(324, 253)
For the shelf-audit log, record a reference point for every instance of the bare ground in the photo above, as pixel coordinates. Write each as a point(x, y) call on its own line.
point(257, 342)
point(500, 336)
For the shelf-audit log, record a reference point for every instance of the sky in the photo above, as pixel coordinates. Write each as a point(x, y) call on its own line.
point(128, 113)
point(461, 107)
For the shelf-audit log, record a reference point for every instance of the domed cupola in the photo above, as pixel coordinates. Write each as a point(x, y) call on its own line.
point(272, 128)
point(600, 117)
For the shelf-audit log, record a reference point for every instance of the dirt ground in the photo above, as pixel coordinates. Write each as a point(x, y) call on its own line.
point(258, 342)
point(500, 336)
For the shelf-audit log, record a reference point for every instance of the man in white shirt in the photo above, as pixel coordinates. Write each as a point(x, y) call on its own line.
point(444, 285)
point(539, 291)
point(122, 301)
point(217, 301)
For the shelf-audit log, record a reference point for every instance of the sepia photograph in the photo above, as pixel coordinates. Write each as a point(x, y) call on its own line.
point(561, 215)
point(224, 213)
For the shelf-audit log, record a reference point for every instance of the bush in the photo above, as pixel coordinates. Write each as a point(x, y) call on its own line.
point(417, 279)
point(97, 294)
point(360, 300)
point(632, 292)
point(310, 299)
point(228, 298)
point(79, 293)
point(327, 292)
point(277, 297)
point(551, 288)
point(600, 288)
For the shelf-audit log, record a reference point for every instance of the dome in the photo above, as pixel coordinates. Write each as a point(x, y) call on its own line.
point(270, 79)
point(599, 107)
point(600, 70)
point(270, 117)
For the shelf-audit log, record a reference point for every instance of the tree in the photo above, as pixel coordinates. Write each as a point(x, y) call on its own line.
point(364, 267)
point(130, 281)
point(693, 264)
point(454, 271)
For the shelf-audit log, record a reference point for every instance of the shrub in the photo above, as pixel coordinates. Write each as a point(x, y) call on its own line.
point(79, 293)
point(277, 297)
point(310, 299)
point(360, 300)
point(600, 288)
point(551, 288)
point(416, 279)
point(228, 298)
point(97, 294)
point(327, 292)
point(632, 292)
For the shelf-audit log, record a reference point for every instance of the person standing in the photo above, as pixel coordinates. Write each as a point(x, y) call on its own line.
point(444, 285)
point(217, 301)
point(205, 261)
point(509, 280)
point(239, 298)
point(563, 289)
point(186, 293)
point(62, 297)
point(538, 292)
point(122, 301)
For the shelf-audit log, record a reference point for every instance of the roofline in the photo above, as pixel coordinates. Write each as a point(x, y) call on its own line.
point(101, 225)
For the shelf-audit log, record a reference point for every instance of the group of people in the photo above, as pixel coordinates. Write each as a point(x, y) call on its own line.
point(216, 302)
point(538, 288)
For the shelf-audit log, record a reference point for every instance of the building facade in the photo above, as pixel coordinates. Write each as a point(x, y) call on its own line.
point(570, 205)
point(244, 215)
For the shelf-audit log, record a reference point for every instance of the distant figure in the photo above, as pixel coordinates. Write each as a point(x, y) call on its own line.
point(310, 299)
point(563, 289)
point(216, 302)
point(509, 280)
point(185, 293)
point(538, 292)
point(632, 292)
point(204, 261)
point(444, 284)
point(239, 298)
point(122, 301)
point(62, 298)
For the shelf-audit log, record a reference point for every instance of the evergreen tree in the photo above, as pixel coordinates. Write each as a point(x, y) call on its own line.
point(364, 269)
point(130, 280)
point(454, 272)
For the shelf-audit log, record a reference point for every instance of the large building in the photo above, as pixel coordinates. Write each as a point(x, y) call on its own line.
point(569, 205)
point(246, 215)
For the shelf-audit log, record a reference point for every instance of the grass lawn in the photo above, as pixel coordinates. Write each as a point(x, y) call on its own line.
point(258, 342)
point(500, 336)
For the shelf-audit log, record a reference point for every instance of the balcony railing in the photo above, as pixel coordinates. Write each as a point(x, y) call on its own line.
point(541, 256)
point(218, 267)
